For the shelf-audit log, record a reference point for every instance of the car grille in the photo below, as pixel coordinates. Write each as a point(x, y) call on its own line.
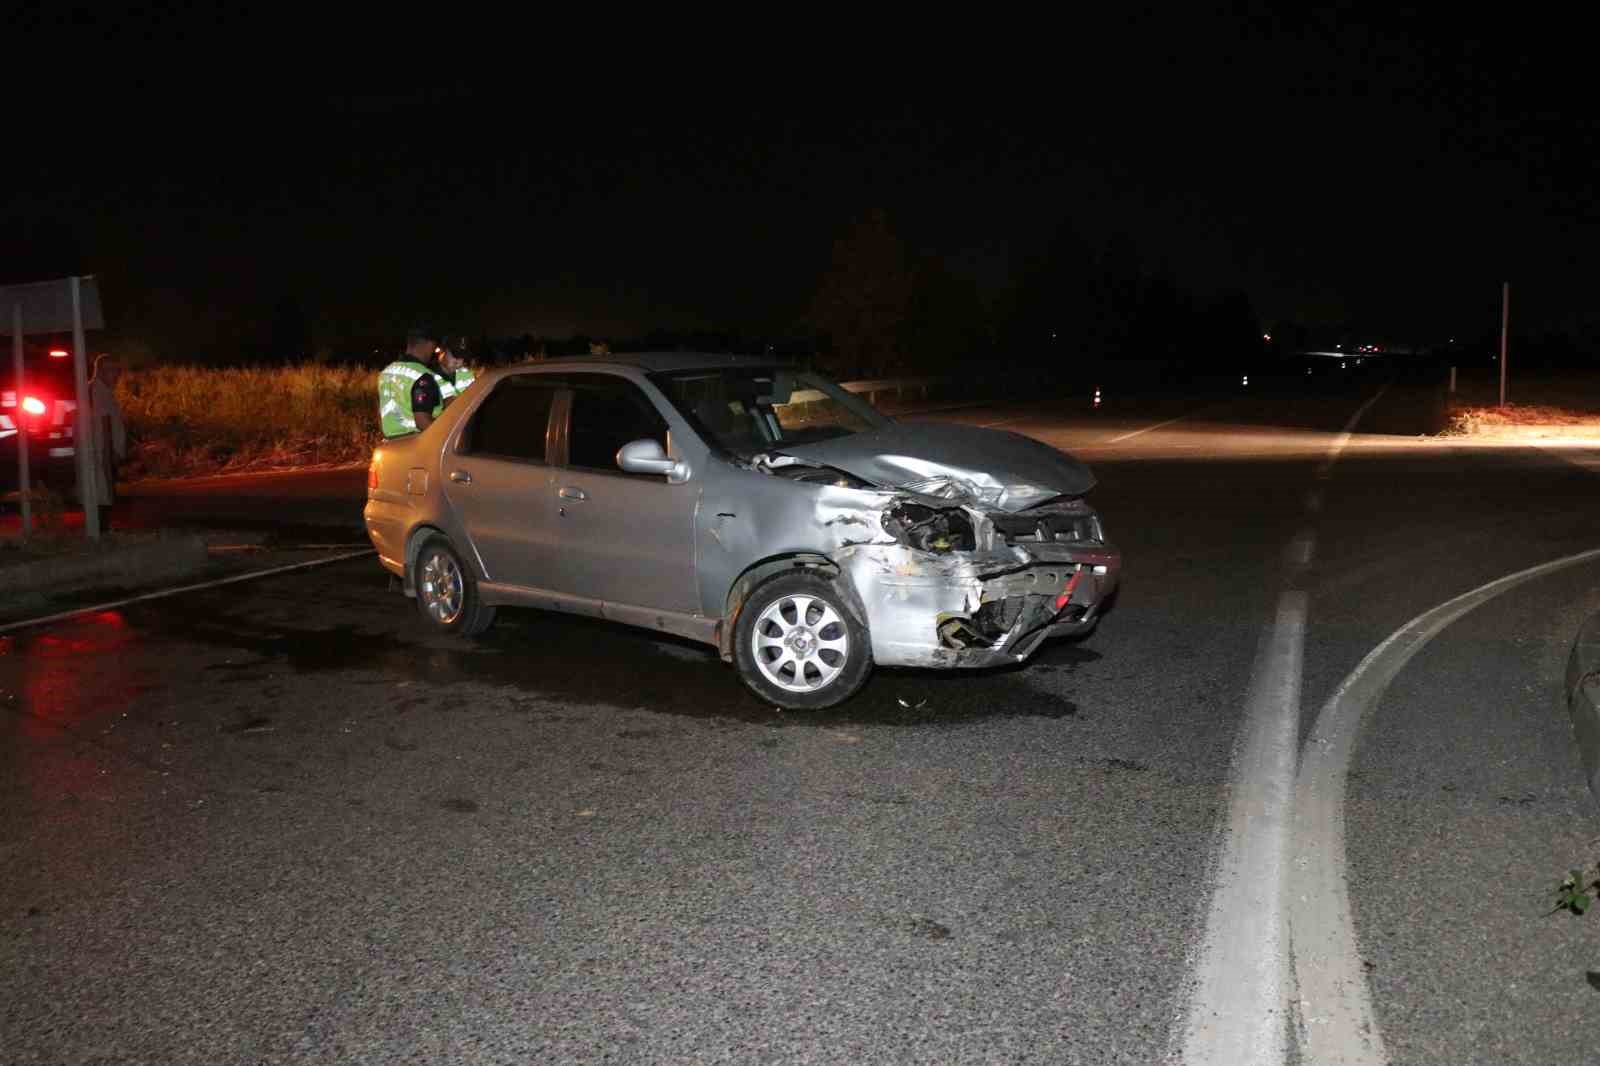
point(1048, 528)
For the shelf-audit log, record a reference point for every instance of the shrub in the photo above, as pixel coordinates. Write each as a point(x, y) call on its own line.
point(184, 421)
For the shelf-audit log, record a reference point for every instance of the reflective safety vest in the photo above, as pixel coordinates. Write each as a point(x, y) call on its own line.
point(394, 393)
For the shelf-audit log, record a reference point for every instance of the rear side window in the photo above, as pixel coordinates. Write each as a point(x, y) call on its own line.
point(607, 413)
point(512, 421)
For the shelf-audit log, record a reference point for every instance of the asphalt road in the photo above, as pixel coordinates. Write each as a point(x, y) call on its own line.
point(281, 822)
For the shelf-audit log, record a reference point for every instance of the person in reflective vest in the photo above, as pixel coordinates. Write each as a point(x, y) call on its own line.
point(415, 390)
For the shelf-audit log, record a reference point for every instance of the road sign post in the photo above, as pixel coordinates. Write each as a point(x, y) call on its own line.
point(23, 489)
point(1505, 326)
point(88, 491)
point(56, 307)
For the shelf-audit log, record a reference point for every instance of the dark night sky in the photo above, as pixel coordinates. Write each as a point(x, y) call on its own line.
point(1386, 173)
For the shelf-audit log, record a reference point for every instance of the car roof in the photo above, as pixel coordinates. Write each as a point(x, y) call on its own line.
point(652, 361)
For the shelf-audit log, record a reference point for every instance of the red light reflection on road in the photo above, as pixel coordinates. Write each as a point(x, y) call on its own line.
point(69, 673)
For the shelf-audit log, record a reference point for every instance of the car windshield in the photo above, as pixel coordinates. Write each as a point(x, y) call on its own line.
point(743, 411)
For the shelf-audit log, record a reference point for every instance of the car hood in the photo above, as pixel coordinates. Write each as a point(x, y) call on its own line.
point(967, 464)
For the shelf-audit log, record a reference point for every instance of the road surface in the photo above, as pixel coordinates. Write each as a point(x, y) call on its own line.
point(281, 822)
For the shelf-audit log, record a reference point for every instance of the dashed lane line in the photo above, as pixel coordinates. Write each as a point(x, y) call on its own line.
point(1146, 429)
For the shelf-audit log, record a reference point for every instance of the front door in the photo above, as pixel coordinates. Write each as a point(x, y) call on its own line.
point(626, 538)
point(501, 486)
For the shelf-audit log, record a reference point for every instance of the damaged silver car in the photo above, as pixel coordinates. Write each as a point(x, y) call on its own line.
point(761, 509)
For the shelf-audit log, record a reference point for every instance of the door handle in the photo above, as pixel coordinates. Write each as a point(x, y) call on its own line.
point(461, 476)
point(572, 494)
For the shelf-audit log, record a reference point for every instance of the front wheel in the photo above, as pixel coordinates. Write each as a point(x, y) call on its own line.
point(447, 595)
point(798, 646)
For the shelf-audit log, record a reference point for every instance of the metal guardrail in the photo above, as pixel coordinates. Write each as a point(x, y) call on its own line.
point(869, 389)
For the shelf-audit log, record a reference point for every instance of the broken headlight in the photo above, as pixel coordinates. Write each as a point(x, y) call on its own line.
point(930, 529)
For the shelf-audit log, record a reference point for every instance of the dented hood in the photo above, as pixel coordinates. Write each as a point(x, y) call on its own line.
point(967, 464)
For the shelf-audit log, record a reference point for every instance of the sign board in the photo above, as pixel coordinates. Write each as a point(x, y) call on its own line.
point(47, 306)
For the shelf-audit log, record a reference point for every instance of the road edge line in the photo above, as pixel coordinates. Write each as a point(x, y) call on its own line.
point(232, 579)
point(1336, 1022)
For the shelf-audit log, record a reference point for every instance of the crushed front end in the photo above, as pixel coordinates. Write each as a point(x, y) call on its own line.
point(969, 586)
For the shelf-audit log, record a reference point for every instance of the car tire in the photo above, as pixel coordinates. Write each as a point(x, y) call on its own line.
point(798, 646)
point(447, 593)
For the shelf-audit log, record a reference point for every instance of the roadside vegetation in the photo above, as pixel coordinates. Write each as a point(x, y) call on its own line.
point(184, 421)
point(1540, 405)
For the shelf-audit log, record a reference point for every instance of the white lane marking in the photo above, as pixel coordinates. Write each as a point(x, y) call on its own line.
point(1337, 447)
point(1301, 550)
point(1337, 1024)
point(163, 593)
point(1002, 422)
point(1146, 429)
point(1240, 998)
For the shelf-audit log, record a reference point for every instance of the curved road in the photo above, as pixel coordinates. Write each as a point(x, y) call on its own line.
point(280, 822)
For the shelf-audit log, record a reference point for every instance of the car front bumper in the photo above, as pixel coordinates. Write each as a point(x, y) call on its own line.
point(965, 610)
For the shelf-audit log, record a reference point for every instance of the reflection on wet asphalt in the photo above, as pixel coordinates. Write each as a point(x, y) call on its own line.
point(575, 841)
point(576, 659)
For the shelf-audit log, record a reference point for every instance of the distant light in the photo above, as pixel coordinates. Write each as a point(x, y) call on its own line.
point(1266, 336)
point(1245, 380)
point(1096, 398)
point(58, 353)
point(33, 405)
point(1339, 346)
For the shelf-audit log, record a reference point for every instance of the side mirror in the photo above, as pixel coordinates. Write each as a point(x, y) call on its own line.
point(647, 457)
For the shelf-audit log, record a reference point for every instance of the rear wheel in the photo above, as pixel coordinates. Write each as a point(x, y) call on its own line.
point(447, 595)
point(798, 646)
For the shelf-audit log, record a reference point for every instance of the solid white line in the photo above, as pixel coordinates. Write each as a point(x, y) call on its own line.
point(1239, 1005)
point(1336, 1020)
point(163, 593)
point(1146, 429)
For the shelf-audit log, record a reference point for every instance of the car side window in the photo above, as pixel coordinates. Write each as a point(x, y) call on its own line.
point(608, 412)
point(512, 421)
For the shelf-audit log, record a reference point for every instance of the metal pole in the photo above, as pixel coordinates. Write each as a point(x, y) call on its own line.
point(1505, 326)
point(84, 434)
point(23, 489)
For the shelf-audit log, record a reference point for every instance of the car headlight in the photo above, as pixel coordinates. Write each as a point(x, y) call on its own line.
point(930, 529)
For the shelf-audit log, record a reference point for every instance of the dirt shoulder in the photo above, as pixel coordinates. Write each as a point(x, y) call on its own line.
point(1543, 406)
point(1523, 422)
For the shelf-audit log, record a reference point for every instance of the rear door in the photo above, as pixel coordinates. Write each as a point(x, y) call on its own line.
point(626, 538)
point(501, 485)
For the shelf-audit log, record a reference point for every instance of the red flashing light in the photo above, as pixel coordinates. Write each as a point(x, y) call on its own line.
point(59, 353)
point(33, 405)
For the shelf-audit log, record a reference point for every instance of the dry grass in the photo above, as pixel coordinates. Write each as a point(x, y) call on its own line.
point(1542, 405)
point(184, 421)
point(1523, 421)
